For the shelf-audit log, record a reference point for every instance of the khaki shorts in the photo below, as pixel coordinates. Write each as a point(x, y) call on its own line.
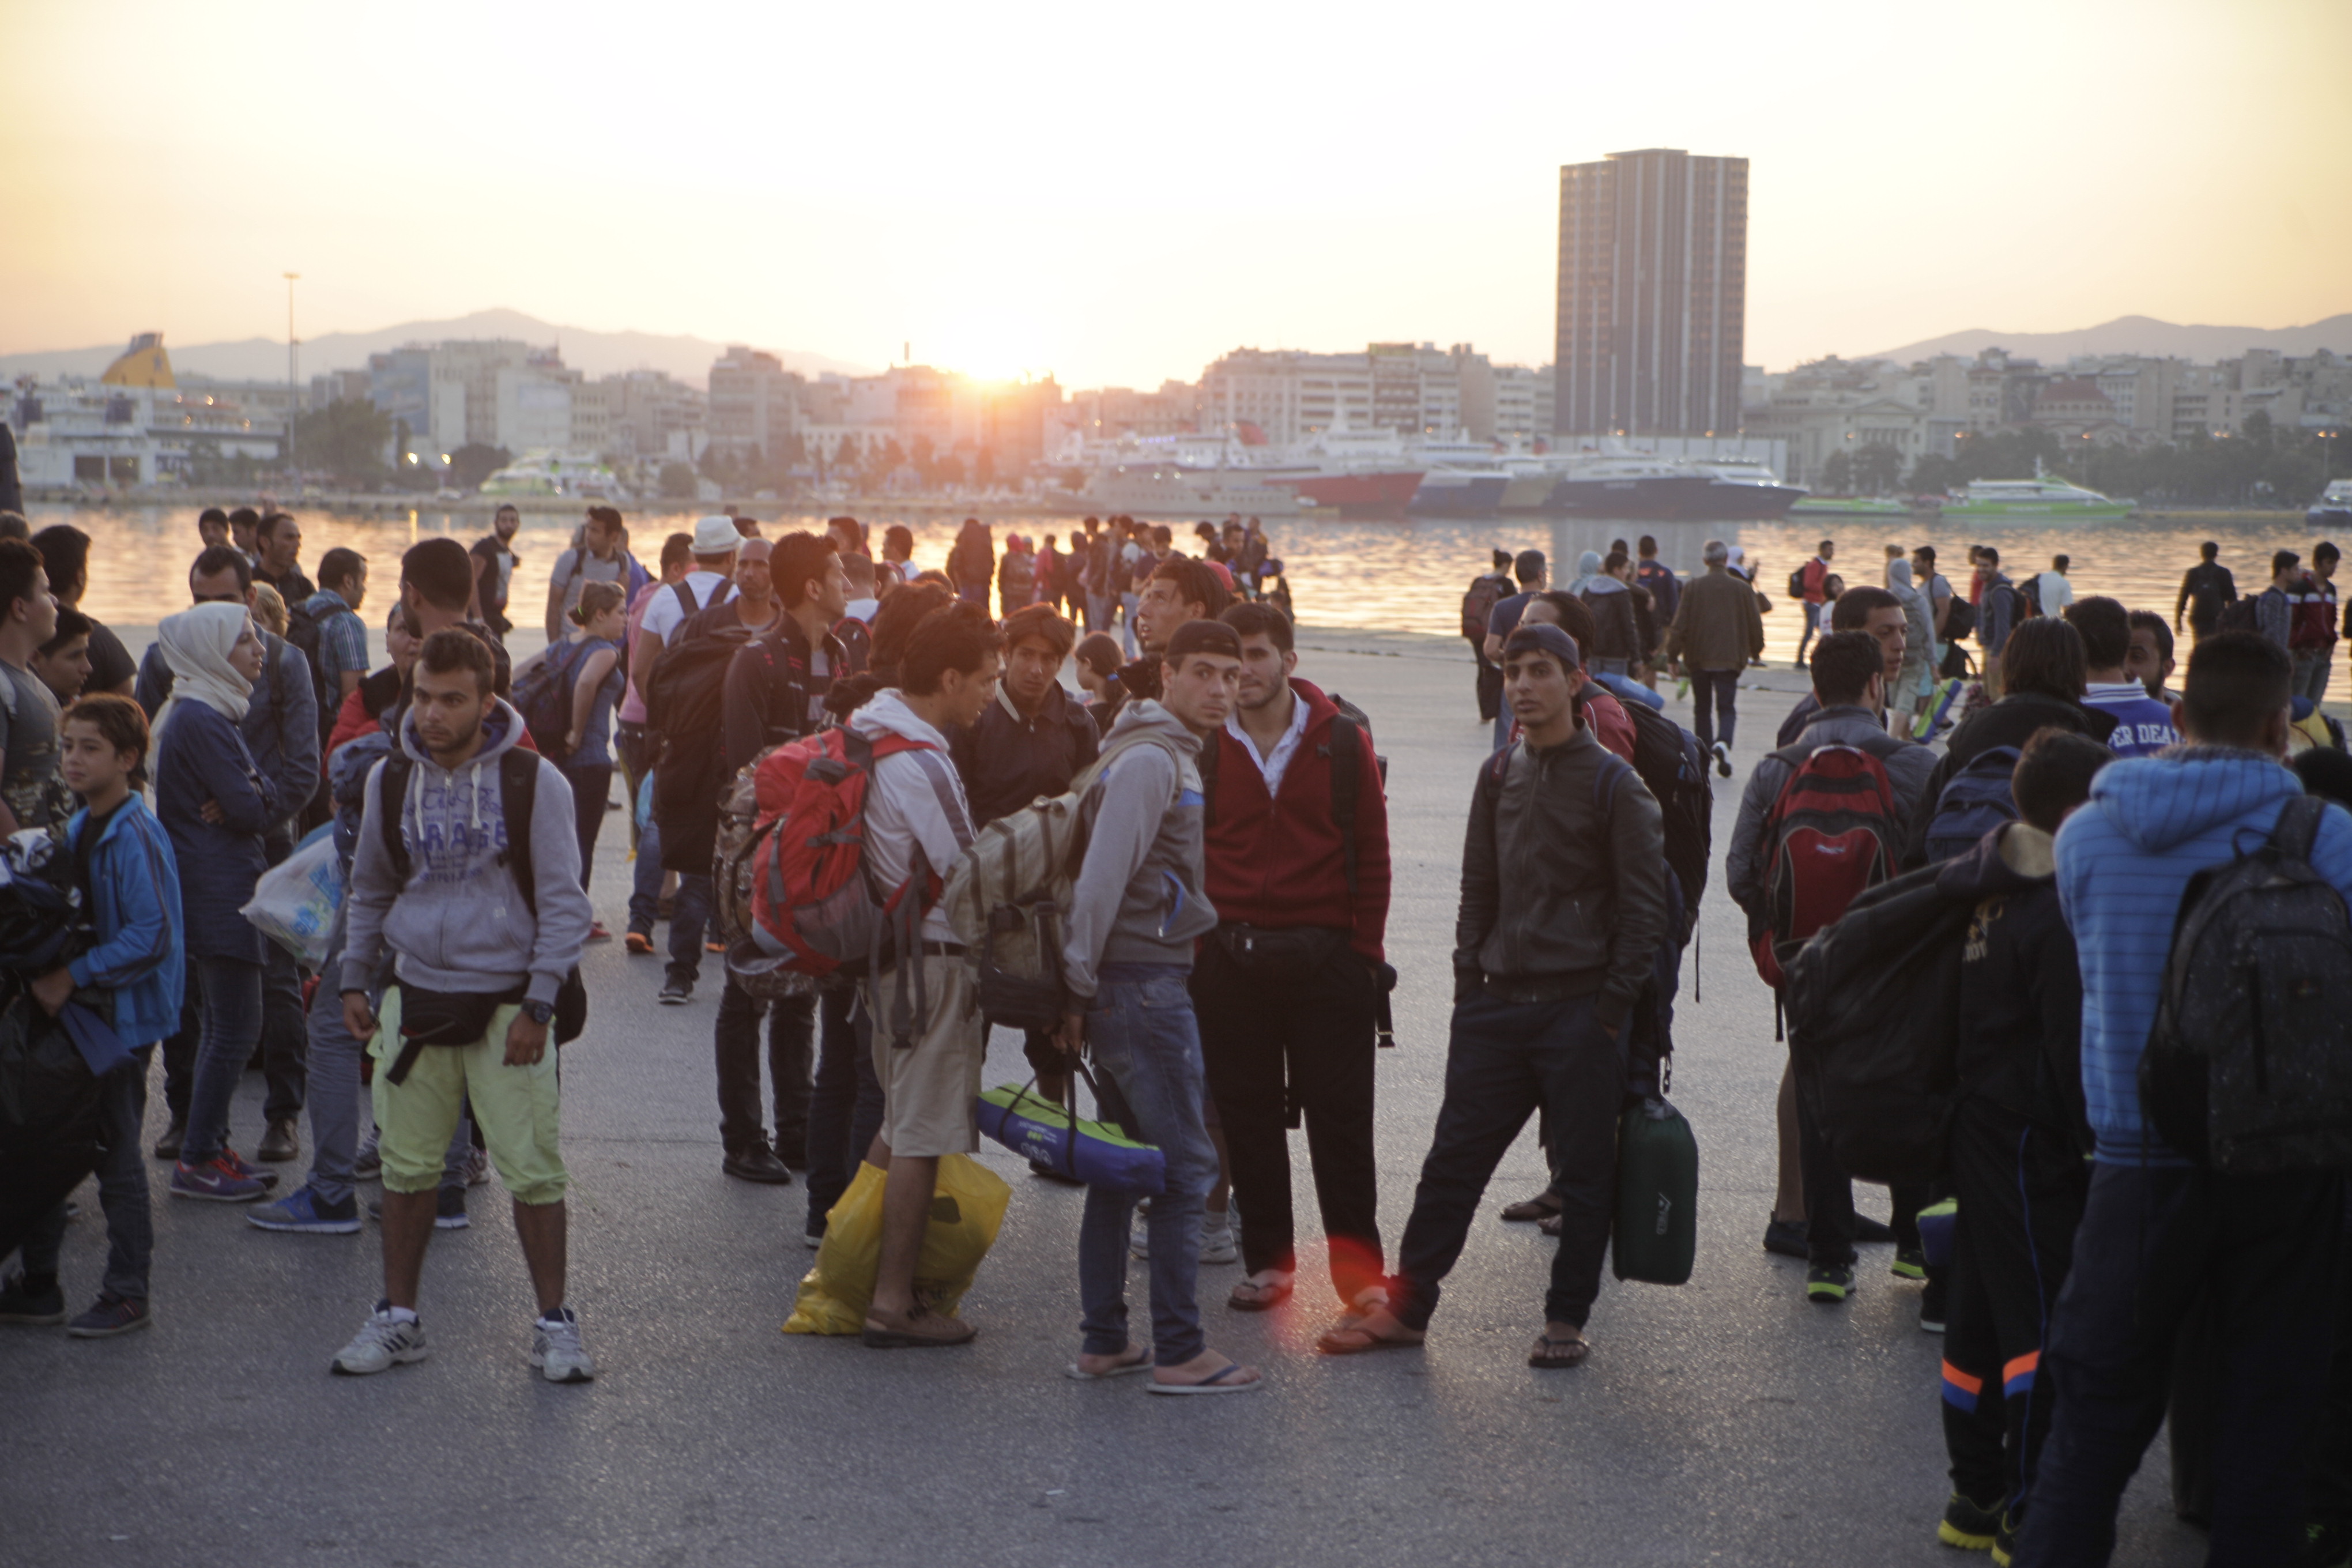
point(516, 1108)
point(927, 1088)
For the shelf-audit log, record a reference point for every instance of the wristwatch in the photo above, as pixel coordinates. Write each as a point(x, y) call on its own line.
point(538, 1013)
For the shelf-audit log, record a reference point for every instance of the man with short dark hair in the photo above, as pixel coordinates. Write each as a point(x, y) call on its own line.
point(1528, 566)
point(342, 636)
point(2143, 725)
point(1563, 907)
point(243, 526)
point(2274, 605)
point(2206, 590)
point(212, 528)
point(64, 553)
point(1871, 610)
point(494, 563)
point(1178, 590)
point(465, 1021)
point(1998, 609)
point(1137, 907)
point(1716, 631)
point(2310, 632)
point(2150, 660)
point(278, 564)
point(1285, 989)
point(62, 663)
point(2159, 1235)
point(29, 793)
point(929, 1041)
point(599, 554)
point(437, 592)
point(1814, 575)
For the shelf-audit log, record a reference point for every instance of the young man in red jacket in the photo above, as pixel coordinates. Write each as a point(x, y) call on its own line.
point(1286, 987)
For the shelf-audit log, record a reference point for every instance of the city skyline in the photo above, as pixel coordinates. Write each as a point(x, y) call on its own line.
point(1052, 198)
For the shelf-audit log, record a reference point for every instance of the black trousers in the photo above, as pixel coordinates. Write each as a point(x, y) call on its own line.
point(1490, 681)
point(1278, 1051)
point(2021, 1189)
point(1503, 1060)
point(846, 1107)
point(1829, 1195)
point(2153, 1240)
point(735, 1041)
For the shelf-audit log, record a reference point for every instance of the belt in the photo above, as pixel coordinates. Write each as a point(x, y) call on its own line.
point(1524, 990)
point(941, 949)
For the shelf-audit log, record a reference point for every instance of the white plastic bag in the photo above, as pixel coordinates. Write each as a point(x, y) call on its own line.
point(296, 902)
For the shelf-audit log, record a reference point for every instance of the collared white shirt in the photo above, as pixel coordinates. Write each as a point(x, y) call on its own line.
point(1275, 766)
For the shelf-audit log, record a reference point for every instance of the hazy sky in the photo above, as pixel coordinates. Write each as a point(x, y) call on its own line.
point(1118, 194)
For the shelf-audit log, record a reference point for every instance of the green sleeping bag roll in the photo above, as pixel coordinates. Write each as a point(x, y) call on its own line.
point(1655, 1237)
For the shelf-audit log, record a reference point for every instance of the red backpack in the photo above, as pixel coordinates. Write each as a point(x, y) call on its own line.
point(815, 908)
point(1831, 833)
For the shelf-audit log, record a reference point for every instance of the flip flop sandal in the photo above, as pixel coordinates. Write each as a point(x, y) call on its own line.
point(1332, 1342)
point(1534, 1208)
point(1264, 1297)
point(1213, 1384)
point(1118, 1369)
point(1554, 1355)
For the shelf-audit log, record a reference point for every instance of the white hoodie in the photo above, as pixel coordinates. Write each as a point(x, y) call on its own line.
point(916, 800)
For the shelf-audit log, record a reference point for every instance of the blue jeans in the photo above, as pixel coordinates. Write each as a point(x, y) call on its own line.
point(2152, 1241)
point(844, 1108)
point(1715, 705)
point(644, 888)
point(688, 913)
point(122, 1187)
point(230, 1007)
point(1812, 625)
point(334, 1085)
point(1147, 1060)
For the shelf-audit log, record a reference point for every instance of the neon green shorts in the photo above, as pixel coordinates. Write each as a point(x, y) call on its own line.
point(516, 1108)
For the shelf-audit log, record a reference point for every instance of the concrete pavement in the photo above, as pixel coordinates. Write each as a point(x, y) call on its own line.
point(1726, 1420)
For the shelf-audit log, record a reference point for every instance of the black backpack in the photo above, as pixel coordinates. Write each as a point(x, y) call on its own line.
point(2249, 1067)
point(1974, 801)
point(518, 796)
point(1960, 620)
point(1797, 583)
point(303, 632)
point(1872, 1003)
point(1669, 761)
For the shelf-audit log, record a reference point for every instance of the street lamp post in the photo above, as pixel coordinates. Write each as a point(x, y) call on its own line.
point(292, 278)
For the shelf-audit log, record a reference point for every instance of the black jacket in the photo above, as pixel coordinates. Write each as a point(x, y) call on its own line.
point(2011, 722)
point(1007, 761)
point(771, 694)
point(1562, 882)
point(2020, 1007)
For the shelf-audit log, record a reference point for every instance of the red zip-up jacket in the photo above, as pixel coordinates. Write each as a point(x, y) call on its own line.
point(1281, 862)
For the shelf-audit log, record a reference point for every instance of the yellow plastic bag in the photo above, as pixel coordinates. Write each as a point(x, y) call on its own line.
point(967, 1208)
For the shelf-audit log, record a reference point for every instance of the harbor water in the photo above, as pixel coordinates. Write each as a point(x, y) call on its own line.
point(1405, 576)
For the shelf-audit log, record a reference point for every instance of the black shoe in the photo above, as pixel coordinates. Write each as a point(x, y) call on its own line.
point(758, 1163)
point(674, 992)
point(1970, 1526)
point(794, 1155)
point(30, 1308)
point(1870, 1233)
point(278, 1142)
point(1910, 1263)
point(449, 1209)
point(2004, 1542)
point(111, 1315)
point(1786, 1238)
point(1829, 1286)
point(167, 1147)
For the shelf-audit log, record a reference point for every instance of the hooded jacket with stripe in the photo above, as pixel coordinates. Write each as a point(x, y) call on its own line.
point(2124, 860)
point(1139, 897)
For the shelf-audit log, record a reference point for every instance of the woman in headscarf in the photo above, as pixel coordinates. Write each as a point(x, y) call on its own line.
point(1918, 645)
point(215, 803)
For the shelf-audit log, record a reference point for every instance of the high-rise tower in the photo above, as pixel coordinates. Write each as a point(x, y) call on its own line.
point(1652, 294)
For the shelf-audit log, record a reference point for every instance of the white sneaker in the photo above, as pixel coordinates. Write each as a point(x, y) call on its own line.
point(1219, 1243)
point(556, 1350)
point(478, 1166)
point(382, 1343)
point(1722, 759)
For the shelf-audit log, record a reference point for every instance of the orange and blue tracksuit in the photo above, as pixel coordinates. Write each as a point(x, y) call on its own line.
point(2018, 1166)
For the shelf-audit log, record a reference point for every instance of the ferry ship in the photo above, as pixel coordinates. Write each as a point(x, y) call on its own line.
point(1745, 491)
point(1631, 490)
point(1351, 473)
point(2334, 507)
point(2032, 498)
point(1464, 478)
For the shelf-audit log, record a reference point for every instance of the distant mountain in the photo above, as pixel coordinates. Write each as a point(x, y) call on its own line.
point(598, 354)
point(2136, 335)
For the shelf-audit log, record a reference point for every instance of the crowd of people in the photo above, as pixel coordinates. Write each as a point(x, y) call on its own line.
point(2052, 813)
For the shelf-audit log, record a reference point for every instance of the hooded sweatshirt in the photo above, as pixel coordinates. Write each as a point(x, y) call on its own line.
point(459, 922)
point(2124, 861)
point(1139, 897)
point(915, 807)
point(2021, 1011)
point(1617, 623)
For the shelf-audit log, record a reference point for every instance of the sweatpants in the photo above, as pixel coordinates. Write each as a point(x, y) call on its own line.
point(1280, 1051)
point(2153, 1238)
point(2021, 1189)
point(1503, 1060)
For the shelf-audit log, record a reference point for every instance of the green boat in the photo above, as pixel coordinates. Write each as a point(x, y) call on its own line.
point(2034, 498)
point(1856, 505)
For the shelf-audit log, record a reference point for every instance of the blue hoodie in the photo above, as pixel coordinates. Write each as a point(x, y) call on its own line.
point(134, 886)
point(2124, 861)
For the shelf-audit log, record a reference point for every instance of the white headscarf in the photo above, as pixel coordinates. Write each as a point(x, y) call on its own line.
point(196, 646)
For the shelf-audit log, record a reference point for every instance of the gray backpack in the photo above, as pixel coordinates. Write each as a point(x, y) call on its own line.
point(2249, 1067)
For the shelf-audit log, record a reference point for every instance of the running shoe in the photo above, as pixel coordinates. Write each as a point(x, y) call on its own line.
point(1722, 759)
point(1910, 1263)
point(1829, 1286)
point(216, 1180)
point(31, 1308)
point(382, 1343)
point(368, 1163)
point(1970, 1526)
point(449, 1209)
point(556, 1351)
point(251, 1172)
point(305, 1212)
point(109, 1315)
point(674, 993)
point(1219, 1243)
point(478, 1166)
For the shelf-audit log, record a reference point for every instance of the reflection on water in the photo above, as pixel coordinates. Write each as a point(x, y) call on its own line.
point(1394, 576)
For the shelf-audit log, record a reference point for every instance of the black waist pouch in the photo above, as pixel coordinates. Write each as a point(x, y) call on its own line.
point(444, 1018)
point(1278, 955)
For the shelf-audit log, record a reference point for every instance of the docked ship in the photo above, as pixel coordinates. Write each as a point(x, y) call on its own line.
point(1464, 478)
point(1355, 473)
point(1632, 489)
point(2334, 507)
point(2032, 498)
point(1166, 482)
point(1745, 491)
point(1349, 473)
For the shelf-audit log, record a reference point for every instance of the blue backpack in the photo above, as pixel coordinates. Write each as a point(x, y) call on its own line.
point(1975, 801)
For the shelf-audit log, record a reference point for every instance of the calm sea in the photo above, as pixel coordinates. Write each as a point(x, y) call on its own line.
point(1391, 576)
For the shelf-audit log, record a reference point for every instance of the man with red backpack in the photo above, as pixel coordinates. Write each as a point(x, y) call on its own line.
point(929, 1040)
point(1820, 821)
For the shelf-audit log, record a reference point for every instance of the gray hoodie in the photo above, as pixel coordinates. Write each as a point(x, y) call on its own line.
point(1139, 897)
point(459, 922)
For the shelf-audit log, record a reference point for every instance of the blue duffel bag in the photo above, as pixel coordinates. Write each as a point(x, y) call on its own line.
point(1096, 1153)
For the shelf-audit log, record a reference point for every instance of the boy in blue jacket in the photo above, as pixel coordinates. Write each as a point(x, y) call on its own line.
point(2157, 1231)
point(123, 861)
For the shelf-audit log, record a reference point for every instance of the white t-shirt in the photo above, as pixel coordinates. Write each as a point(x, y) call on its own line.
point(2056, 591)
point(863, 610)
point(665, 614)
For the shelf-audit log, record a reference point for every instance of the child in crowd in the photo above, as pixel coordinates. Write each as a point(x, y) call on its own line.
point(1098, 658)
point(131, 888)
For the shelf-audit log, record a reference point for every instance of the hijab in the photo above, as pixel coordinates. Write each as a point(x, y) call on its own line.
point(196, 646)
